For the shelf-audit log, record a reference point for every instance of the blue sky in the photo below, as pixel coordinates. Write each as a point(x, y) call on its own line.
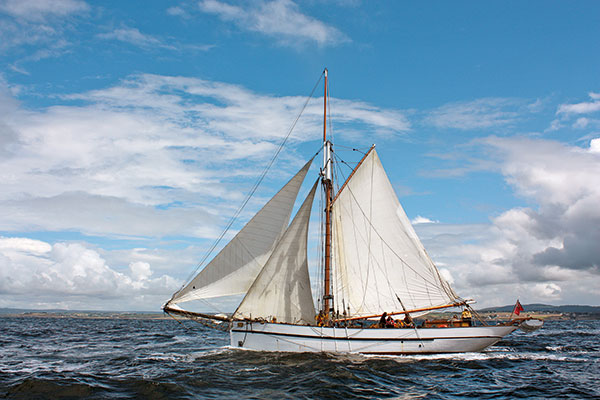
point(131, 131)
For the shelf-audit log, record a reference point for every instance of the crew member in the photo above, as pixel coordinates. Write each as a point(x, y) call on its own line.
point(390, 323)
point(466, 316)
point(383, 320)
point(320, 317)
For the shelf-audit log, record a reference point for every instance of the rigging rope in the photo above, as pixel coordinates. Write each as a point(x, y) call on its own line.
point(368, 220)
point(252, 191)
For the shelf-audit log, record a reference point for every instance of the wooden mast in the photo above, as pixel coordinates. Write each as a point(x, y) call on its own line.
point(327, 179)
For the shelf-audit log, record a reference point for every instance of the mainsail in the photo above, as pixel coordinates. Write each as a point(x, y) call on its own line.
point(233, 270)
point(380, 263)
point(282, 291)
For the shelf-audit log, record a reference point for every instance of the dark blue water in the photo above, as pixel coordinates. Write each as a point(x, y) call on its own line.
point(161, 359)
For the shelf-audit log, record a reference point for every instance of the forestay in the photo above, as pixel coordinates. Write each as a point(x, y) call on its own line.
point(378, 256)
point(236, 266)
point(282, 289)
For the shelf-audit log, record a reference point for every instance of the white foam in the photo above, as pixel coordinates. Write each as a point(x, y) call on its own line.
point(491, 354)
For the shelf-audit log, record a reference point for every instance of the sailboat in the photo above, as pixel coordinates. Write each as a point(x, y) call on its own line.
point(374, 268)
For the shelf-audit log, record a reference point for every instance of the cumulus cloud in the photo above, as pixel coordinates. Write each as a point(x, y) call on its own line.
point(548, 291)
point(538, 250)
point(140, 271)
point(281, 19)
point(152, 158)
point(37, 271)
point(595, 145)
point(422, 220)
point(157, 154)
point(564, 230)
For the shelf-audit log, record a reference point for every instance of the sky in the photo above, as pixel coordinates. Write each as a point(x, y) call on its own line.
point(131, 132)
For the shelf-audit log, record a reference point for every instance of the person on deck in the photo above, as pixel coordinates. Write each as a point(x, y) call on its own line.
point(320, 317)
point(383, 320)
point(390, 323)
point(466, 316)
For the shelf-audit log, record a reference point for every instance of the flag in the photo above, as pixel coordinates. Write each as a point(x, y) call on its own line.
point(518, 308)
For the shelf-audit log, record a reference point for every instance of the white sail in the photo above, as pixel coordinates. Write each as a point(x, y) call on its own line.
point(233, 270)
point(378, 256)
point(282, 289)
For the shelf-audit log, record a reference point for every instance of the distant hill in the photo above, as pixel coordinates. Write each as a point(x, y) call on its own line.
point(547, 308)
point(62, 311)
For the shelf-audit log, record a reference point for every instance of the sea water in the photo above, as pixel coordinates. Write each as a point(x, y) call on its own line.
point(164, 359)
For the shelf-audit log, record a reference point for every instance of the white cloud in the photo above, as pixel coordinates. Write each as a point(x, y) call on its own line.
point(281, 19)
point(79, 211)
point(581, 108)
point(152, 157)
point(581, 123)
point(133, 36)
point(40, 23)
point(572, 114)
point(177, 11)
point(422, 220)
point(140, 270)
point(547, 291)
point(37, 10)
point(33, 271)
point(158, 155)
point(564, 230)
point(18, 244)
point(145, 41)
point(447, 275)
point(541, 251)
point(481, 113)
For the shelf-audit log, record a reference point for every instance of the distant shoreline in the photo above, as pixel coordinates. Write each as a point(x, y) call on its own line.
point(87, 315)
point(486, 315)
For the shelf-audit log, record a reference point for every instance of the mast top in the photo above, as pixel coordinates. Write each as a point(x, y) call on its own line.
point(325, 107)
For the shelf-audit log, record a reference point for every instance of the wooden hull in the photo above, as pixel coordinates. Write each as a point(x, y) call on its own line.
point(296, 338)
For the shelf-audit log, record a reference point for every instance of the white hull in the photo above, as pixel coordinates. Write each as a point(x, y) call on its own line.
point(296, 338)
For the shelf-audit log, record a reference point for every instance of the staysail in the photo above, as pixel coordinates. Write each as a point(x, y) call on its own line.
point(233, 270)
point(378, 256)
point(282, 290)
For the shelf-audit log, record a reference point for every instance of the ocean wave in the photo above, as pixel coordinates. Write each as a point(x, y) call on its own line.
point(158, 359)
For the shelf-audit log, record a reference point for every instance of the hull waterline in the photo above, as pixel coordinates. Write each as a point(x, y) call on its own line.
point(297, 338)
